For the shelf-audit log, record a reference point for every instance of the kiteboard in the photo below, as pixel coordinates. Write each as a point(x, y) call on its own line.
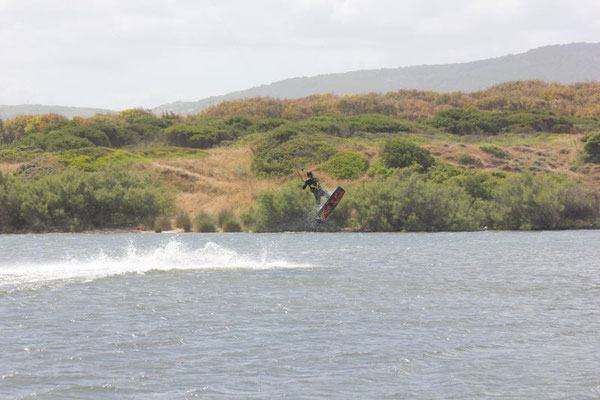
point(330, 205)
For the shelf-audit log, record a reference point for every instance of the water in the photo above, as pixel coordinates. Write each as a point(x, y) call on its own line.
point(261, 316)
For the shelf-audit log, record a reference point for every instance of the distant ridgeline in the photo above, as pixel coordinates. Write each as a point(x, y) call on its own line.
point(71, 174)
point(7, 112)
point(568, 63)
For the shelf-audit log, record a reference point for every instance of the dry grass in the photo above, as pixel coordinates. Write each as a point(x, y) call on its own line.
point(221, 181)
point(557, 156)
point(7, 168)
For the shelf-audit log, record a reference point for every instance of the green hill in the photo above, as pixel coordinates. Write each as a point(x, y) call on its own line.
point(520, 155)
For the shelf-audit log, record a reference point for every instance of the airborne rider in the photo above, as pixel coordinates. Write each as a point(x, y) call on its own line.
point(315, 188)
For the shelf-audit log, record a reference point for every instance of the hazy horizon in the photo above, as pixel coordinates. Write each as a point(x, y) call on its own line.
point(147, 53)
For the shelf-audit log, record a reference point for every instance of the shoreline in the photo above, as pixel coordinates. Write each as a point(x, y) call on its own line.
point(181, 231)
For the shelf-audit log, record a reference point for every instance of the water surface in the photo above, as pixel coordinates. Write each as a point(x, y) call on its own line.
point(446, 315)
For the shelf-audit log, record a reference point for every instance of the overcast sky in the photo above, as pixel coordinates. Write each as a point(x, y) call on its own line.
point(121, 54)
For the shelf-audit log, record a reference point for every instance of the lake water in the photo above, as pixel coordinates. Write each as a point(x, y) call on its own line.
point(311, 316)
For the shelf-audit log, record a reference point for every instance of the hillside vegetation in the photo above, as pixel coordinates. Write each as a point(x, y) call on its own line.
point(520, 155)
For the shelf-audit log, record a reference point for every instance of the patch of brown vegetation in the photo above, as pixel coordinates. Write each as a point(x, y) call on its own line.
point(8, 168)
point(560, 156)
point(221, 181)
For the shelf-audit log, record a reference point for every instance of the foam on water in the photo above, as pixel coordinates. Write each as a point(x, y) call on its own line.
point(172, 256)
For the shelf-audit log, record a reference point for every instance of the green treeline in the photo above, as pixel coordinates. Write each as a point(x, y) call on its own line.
point(409, 200)
point(72, 200)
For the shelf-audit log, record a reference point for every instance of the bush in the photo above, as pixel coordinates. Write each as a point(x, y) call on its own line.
point(471, 121)
point(284, 149)
point(377, 123)
point(204, 223)
point(96, 158)
point(494, 150)
point(227, 222)
point(116, 134)
point(591, 147)
point(162, 223)
point(466, 122)
point(468, 159)
point(58, 140)
point(346, 165)
point(524, 201)
point(231, 226)
point(291, 209)
point(400, 153)
point(408, 202)
point(195, 135)
point(183, 221)
point(75, 200)
point(379, 169)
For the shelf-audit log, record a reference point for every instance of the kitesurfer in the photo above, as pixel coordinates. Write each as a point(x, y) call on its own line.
point(315, 187)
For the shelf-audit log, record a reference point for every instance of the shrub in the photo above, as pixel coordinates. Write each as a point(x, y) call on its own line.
point(379, 169)
point(204, 223)
point(468, 159)
point(591, 147)
point(408, 202)
point(183, 221)
point(291, 209)
point(162, 223)
point(346, 165)
point(58, 140)
point(231, 226)
point(494, 150)
point(195, 135)
point(377, 123)
point(75, 200)
point(466, 122)
point(283, 150)
point(524, 201)
point(96, 158)
point(116, 134)
point(470, 121)
point(400, 153)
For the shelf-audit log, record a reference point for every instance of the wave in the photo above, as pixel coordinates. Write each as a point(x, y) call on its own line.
point(172, 256)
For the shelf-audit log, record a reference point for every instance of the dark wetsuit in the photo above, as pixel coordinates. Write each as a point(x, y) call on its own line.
point(316, 189)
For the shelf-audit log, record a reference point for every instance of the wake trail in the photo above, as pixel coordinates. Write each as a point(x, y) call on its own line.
point(172, 256)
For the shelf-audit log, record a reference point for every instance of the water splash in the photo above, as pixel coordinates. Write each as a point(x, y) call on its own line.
point(174, 255)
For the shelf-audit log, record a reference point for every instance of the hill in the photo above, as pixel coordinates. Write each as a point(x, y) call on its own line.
point(520, 155)
point(7, 112)
point(569, 63)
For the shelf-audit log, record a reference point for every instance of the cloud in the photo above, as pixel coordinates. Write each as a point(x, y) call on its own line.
point(146, 52)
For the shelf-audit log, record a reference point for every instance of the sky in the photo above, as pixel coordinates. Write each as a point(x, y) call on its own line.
point(119, 54)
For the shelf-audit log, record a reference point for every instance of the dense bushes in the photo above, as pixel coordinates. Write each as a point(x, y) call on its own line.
point(74, 200)
point(470, 121)
point(290, 209)
point(53, 132)
point(578, 99)
point(411, 203)
point(198, 136)
point(444, 199)
point(526, 201)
